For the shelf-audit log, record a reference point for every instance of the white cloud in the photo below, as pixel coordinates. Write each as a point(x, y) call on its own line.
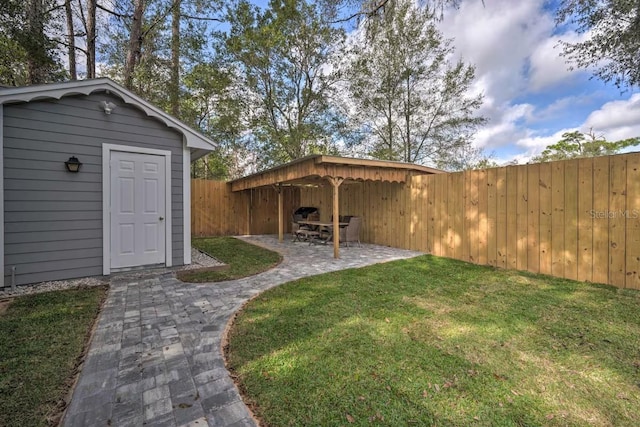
point(518, 64)
point(548, 68)
point(617, 119)
point(535, 144)
point(498, 37)
point(510, 44)
point(503, 127)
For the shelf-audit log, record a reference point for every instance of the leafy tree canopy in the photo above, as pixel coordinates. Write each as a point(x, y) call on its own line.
point(281, 59)
point(613, 43)
point(577, 144)
point(407, 96)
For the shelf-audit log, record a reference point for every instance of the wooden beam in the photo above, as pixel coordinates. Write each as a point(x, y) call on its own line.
point(335, 183)
point(278, 189)
point(374, 163)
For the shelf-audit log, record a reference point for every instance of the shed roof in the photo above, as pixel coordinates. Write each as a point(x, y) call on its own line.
point(198, 143)
point(314, 169)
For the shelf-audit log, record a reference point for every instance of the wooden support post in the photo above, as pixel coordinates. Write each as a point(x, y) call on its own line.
point(278, 189)
point(335, 183)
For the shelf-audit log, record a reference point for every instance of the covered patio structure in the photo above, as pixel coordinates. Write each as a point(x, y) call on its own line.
point(318, 170)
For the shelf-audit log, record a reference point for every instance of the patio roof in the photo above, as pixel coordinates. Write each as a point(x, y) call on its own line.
point(316, 169)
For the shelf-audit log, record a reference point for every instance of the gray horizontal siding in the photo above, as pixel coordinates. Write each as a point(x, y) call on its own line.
point(32, 226)
point(26, 262)
point(46, 206)
point(18, 217)
point(63, 196)
point(44, 276)
point(51, 236)
point(65, 245)
point(53, 219)
point(33, 257)
point(23, 184)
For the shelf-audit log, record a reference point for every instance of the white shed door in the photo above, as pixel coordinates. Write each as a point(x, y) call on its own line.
point(137, 209)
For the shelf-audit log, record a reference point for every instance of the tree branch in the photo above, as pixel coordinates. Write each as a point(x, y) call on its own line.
point(201, 18)
point(375, 10)
point(118, 15)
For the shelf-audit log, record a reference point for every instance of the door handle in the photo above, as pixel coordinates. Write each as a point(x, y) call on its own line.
point(161, 218)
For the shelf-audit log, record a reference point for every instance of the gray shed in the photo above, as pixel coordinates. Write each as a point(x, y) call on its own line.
point(127, 206)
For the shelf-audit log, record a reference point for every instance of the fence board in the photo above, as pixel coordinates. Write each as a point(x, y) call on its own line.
point(466, 220)
point(458, 215)
point(410, 234)
point(585, 219)
point(557, 219)
point(533, 218)
point(491, 217)
point(431, 209)
point(570, 219)
point(482, 216)
point(451, 211)
point(442, 215)
point(511, 220)
point(424, 217)
point(501, 221)
point(546, 207)
point(632, 279)
point(414, 191)
point(522, 215)
point(474, 248)
point(617, 223)
point(600, 220)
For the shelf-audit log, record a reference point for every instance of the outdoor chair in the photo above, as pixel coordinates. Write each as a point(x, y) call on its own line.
point(306, 232)
point(351, 233)
point(306, 235)
point(295, 227)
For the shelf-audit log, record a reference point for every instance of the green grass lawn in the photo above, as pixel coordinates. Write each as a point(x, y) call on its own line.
point(244, 259)
point(433, 341)
point(41, 339)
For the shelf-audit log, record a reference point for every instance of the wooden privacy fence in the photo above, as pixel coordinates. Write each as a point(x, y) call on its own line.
point(217, 211)
point(577, 219)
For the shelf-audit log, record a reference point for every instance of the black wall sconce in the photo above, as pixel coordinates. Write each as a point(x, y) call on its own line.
point(73, 164)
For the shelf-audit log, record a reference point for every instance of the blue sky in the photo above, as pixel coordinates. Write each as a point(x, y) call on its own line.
point(531, 97)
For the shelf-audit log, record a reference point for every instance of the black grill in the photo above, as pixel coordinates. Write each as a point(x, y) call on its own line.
point(303, 212)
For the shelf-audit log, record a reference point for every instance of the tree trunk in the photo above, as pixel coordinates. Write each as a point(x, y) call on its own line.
point(407, 122)
point(91, 39)
point(71, 40)
point(390, 130)
point(135, 43)
point(36, 54)
point(174, 87)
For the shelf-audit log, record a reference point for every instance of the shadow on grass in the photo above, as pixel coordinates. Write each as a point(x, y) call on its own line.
point(432, 340)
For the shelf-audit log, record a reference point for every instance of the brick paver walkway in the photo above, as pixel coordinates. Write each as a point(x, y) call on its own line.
point(156, 357)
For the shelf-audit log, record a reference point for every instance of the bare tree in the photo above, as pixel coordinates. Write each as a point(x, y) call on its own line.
point(91, 39)
point(135, 43)
point(71, 40)
point(174, 86)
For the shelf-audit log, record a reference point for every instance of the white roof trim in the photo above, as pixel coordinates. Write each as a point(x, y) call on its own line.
point(194, 139)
